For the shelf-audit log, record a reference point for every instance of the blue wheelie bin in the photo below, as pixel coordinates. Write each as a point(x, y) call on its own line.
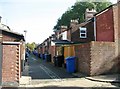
point(70, 64)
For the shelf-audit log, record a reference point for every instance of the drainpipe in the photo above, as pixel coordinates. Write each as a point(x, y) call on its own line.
point(95, 27)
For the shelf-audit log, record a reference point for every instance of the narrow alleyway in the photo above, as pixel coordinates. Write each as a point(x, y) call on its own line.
point(39, 69)
point(45, 75)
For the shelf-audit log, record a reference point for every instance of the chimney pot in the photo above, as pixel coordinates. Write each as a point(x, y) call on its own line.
point(89, 13)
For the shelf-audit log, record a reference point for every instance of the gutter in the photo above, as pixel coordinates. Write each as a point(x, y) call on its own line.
point(8, 42)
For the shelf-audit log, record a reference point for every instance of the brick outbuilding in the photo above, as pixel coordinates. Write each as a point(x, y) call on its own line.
point(11, 56)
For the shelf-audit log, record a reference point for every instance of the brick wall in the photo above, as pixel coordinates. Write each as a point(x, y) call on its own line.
point(119, 34)
point(10, 65)
point(103, 60)
point(0, 63)
point(116, 15)
point(22, 55)
point(41, 50)
point(11, 59)
point(68, 34)
point(105, 26)
point(96, 58)
point(82, 52)
point(75, 32)
point(52, 51)
point(8, 38)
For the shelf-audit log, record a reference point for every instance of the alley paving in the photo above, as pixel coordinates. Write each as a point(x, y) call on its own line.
point(40, 69)
point(46, 75)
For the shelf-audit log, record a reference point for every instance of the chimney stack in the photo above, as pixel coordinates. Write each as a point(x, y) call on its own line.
point(74, 21)
point(89, 13)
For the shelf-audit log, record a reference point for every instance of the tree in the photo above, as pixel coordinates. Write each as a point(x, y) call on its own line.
point(31, 46)
point(77, 11)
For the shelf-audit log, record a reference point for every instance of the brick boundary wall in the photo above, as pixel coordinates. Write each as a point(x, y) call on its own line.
point(119, 32)
point(82, 52)
point(96, 58)
point(116, 16)
point(103, 59)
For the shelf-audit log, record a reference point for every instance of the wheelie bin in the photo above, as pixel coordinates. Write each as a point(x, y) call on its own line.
point(70, 64)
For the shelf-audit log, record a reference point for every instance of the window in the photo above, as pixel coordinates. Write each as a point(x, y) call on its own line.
point(64, 35)
point(83, 32)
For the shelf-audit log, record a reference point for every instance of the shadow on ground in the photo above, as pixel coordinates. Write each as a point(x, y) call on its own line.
point(55, 87)
point(40, 69)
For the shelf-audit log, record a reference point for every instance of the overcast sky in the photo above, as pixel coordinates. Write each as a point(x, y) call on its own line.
point(38, 17)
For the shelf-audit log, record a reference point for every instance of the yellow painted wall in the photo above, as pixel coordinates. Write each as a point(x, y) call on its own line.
point(69, 51)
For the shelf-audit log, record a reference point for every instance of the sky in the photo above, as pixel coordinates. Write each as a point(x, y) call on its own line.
point(37, 17)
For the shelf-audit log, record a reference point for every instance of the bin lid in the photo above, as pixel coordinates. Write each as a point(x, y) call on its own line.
point(70, 58)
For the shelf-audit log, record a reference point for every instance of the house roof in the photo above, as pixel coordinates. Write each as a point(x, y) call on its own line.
point(82, 24)
point(11, 32)
point(60, 42)
point(6, 28)
point(102, 11)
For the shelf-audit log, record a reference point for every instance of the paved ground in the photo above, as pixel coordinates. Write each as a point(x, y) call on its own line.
point(36, 70)
point(45, 75)
point(39, 69)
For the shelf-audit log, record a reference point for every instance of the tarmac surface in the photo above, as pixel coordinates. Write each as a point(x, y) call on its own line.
point(39, 74)
point(40, 69)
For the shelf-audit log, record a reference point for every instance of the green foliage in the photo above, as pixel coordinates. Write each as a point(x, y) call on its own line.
point(77, 11)
point(31, 46)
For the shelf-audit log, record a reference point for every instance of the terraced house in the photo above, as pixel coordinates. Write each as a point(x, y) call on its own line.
point(94, 42)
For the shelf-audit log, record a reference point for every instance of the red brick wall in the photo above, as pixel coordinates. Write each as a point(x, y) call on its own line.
point(10, 65)
point(8, 38)
point(105, 26)
point(82, 52)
